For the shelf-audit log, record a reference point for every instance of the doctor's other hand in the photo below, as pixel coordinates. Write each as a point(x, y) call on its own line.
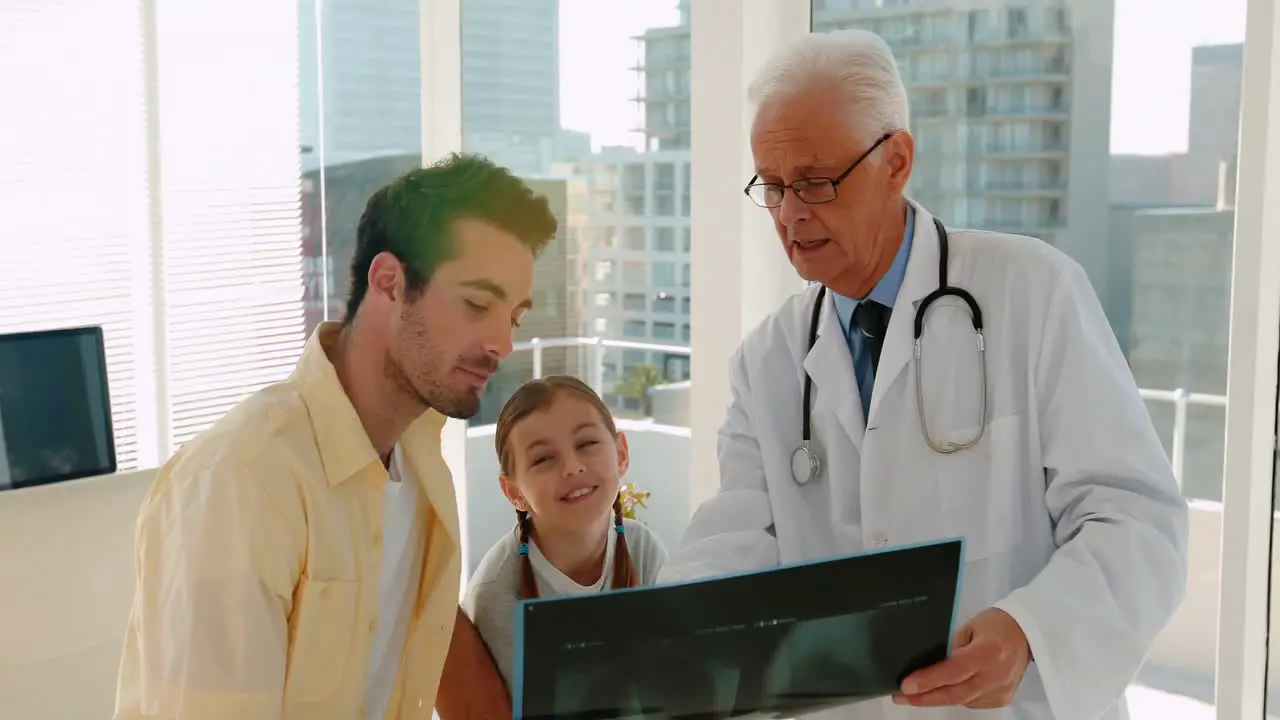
point(989, 656)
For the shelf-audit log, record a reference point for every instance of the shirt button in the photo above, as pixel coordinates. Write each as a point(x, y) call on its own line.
point(373, 624)
point(377, 539)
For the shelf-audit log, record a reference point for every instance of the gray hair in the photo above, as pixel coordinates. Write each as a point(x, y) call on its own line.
point(858, 61)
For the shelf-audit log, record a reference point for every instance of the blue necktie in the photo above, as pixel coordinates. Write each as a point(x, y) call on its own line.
point(870, 320)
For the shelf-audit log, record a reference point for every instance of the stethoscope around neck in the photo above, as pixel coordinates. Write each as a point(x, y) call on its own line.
point(806, 464)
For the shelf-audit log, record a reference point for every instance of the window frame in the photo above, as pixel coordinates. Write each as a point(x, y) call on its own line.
point(440, 49)
point(737, 278)
point(1254, 345)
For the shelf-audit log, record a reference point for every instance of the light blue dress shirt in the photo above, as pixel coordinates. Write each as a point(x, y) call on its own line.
point(885, 292)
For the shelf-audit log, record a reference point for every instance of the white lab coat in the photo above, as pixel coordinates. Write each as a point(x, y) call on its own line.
point(1073, 522)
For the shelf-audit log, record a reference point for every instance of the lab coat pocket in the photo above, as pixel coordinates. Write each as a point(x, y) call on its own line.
point(978, 488)
point(321, 629)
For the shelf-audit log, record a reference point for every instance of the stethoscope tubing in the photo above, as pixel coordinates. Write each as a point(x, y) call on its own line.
point(943, 290)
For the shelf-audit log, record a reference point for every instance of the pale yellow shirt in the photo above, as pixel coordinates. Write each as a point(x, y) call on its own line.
point(259, 552)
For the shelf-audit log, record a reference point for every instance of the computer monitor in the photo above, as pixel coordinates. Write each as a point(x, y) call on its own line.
point(55, 407)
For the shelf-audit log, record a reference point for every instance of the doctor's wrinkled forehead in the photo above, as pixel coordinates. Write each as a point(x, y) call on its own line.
point(855, 71)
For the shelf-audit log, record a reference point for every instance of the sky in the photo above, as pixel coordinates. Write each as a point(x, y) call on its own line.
point(1151, 71)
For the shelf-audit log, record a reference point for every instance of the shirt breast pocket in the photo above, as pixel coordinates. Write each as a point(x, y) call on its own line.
point(979, 487)
point(322, 628)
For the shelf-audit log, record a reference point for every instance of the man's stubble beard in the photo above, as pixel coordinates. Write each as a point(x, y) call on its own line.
point(430, 390)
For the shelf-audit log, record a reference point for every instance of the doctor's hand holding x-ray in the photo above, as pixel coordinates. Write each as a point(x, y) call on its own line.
point(936, 382)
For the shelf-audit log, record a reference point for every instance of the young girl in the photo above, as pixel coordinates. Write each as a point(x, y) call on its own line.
point(561, 460)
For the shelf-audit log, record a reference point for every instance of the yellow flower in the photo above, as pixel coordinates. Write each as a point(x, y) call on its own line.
point(632, 499)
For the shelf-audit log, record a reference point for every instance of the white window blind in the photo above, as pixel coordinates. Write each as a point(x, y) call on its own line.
point(228, 88)
point(76, 240)
point(73, 188)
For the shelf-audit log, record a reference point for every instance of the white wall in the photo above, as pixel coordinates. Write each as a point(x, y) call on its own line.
point(66, 583)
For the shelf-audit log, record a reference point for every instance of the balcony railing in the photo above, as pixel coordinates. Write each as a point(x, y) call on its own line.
point(1180, 398)
point(596, 347)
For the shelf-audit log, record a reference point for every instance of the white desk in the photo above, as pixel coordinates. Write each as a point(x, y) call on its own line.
point(66, 583)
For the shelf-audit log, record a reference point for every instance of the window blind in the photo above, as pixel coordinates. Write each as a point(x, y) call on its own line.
point(73, 187)
point(231, 194)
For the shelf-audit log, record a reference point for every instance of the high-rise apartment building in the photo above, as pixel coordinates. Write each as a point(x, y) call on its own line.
point(664, 75)
point(1010, 108)
point(360, 116)
point(368, 73)
point(635, 259)
point(556, 306)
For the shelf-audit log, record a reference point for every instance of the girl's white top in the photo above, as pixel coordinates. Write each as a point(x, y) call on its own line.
point(494, 590)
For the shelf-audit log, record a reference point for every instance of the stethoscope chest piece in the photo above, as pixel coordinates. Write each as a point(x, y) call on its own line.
point(805, 464)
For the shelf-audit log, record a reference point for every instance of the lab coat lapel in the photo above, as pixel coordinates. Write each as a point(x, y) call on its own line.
point(829, 364)
point(920, 279)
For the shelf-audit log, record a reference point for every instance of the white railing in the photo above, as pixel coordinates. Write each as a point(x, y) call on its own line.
point(598, 345)
point(1180, 398)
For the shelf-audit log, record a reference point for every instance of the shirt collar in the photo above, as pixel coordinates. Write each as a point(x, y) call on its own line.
point(344, 445)
point(886, 291)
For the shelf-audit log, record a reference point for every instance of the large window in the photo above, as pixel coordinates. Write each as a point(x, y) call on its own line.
point(594, 69)
point(206, 216)
point(150, 185)
point(360, 121)
point(74, 214)
point(1008, 97)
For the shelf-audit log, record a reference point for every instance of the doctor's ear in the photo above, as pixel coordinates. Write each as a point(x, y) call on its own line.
point(624, 453)
point(899, 157)
point(513, 494)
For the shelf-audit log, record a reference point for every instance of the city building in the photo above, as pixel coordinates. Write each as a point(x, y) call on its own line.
point(1148, 179)
point(511, 82)
point(359, 80)
point(1180, 317)
point(635, 260)
point(1010, 108)
point(1213, 135)
point(664, 82)
point(1171, 241)
point(1217, 72)
point(555, 312)
point(360, 113)
point(329, 223)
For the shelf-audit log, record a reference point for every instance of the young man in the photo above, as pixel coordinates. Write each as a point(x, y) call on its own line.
point(300, 558)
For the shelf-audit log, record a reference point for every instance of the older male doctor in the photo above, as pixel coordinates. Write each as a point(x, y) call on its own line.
point(1040, 453)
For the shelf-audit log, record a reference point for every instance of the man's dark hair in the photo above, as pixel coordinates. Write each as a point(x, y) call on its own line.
point(413, 217)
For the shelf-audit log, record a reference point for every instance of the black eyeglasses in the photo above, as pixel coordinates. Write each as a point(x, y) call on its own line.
point(813, 191)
